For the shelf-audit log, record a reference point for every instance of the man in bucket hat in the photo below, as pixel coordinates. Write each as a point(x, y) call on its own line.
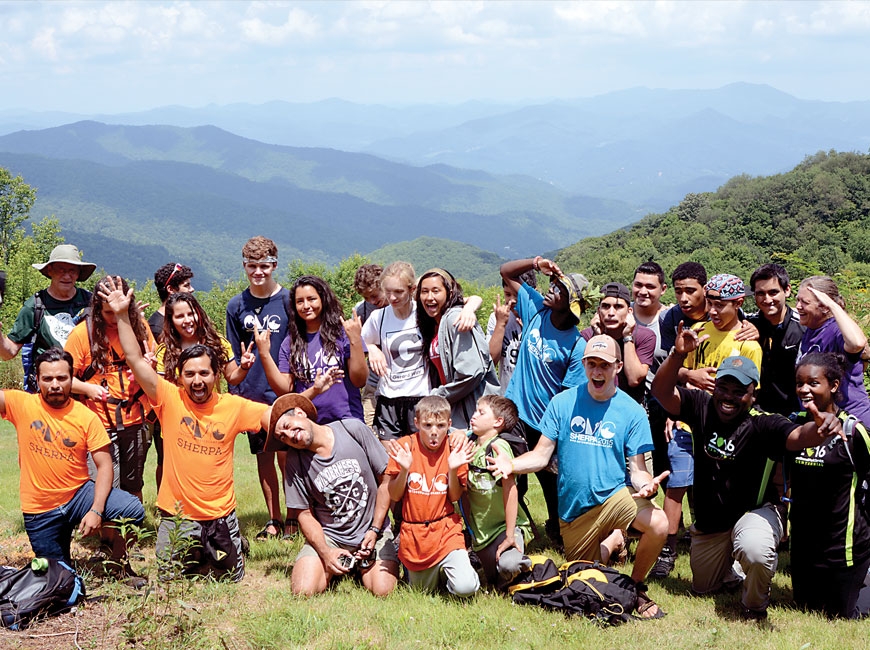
point(47, 317)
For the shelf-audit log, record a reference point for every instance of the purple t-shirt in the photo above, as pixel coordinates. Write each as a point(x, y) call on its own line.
point(829, 338)
point(342, 400)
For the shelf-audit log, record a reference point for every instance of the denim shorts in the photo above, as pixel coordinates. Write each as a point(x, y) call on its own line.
point(682, 459)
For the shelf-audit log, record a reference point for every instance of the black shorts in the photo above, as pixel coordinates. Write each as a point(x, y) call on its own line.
point(132, 443)
point(394, 417)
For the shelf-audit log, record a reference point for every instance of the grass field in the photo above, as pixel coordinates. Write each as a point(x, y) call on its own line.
point(260, 612)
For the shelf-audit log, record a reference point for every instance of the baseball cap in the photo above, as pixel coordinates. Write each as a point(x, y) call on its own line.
point(574, 283)
point(603, 347)
point(729, 287)
point(740, 368)
point(616, 290)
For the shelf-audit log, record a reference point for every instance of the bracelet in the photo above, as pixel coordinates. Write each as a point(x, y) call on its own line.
point(96, 512)
point(375, 529)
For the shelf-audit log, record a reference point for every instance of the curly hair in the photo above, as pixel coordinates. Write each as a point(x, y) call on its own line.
point(331, 326)
point(367, 278)
point(428, 326)
point(258, 248)
point(179, 274)
point(101, 352)
point(206, 334)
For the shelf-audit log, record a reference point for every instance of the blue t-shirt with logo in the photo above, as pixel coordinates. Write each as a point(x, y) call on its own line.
point(593, 442)
point(548, 361)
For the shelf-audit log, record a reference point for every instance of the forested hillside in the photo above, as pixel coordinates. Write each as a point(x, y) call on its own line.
point(813, 219)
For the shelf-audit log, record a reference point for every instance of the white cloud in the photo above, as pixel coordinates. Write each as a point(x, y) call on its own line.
point(298, 23)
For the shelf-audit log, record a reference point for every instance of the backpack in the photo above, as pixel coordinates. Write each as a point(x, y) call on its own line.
point(44, 587)
point(82, 309)
point(588, 589)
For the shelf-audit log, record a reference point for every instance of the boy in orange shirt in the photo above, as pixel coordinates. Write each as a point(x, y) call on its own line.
point(428, 476)
point(199, 432)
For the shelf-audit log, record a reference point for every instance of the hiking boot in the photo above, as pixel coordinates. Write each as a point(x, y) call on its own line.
point(664, 564)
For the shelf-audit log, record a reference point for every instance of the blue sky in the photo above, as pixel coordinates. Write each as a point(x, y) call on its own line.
point(123, 56)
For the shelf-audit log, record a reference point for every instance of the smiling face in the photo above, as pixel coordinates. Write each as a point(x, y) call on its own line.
point(55, 383)
point(198, 379)
point(691, 298)
point(813, 386)
point(260, 275)
point(294, 429)
point(770, 299)
point(812, 312)
point(433, 296)
point(646, 290)
point(63, 277)
point(309, 306)
point(731, 399)
point(432, 430)
point(184, 321)
point(557, 296)
point(602, 377)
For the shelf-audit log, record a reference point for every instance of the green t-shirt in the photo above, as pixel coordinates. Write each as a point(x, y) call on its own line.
point(486, 500)
point(58, 320)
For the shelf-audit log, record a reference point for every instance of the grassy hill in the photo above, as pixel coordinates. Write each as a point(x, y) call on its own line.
point(812, 219)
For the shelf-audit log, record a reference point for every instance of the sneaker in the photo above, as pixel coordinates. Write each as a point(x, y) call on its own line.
point(664, 564)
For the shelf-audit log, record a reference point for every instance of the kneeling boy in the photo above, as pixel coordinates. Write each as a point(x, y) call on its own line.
point(498, 529)
point(430, 474)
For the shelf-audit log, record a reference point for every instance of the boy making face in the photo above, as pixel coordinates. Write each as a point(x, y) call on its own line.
point(432, 546)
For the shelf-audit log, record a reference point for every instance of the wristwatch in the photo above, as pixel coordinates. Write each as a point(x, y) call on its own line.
point(628, 339)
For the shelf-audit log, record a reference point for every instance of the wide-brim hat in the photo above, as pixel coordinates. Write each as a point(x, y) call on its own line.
point(574, 284)
point(68, 254)
point(280, 407)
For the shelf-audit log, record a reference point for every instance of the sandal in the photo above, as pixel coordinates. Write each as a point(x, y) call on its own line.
point(291, 529)
point(645, 604)
point(277, 524)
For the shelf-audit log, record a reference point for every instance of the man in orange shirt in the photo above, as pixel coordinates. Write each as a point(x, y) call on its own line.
point(199, 431)
point(55, 434)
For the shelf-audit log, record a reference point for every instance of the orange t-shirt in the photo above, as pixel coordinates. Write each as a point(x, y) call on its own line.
point(422, 546)
point(198, 443)
point(53, 446)
point(118, 378)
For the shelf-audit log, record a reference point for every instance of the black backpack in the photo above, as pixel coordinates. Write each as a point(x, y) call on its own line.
point(81, 307)
point(588, 589)
point(42, 588)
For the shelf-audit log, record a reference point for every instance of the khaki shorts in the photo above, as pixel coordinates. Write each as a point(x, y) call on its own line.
point(583, 536)
point(385, 550)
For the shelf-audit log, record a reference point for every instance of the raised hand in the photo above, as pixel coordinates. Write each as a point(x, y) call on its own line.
point(353, 326)
point(687, 339)
point(461, 453)
point(114, 296)
point(828, 423)
point(324, 380)
point(248, 357)
point(263, 339)
point(401, 453)
point(502, 311)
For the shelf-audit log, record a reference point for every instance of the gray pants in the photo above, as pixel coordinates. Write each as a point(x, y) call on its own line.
point(509, 565)
point(717, 559)
point(460, 578)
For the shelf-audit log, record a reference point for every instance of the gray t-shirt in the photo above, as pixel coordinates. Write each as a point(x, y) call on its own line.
point(339, 490)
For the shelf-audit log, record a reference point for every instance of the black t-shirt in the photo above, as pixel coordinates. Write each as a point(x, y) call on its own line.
point(733, 462)
point(155, 323)
point(830, 526)
point(779, 346)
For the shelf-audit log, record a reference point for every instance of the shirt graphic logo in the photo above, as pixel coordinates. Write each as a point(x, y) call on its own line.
point(344, 490)
point(252, 323)
point(599, 434)
point(539, 348)
point(417, 484)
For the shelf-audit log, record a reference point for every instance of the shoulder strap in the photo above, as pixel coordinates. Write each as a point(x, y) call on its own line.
point(38, 313)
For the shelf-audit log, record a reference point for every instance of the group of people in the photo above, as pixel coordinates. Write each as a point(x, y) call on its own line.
point(409, 411)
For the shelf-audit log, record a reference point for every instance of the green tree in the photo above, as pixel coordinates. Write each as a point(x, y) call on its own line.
point(16, 199)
